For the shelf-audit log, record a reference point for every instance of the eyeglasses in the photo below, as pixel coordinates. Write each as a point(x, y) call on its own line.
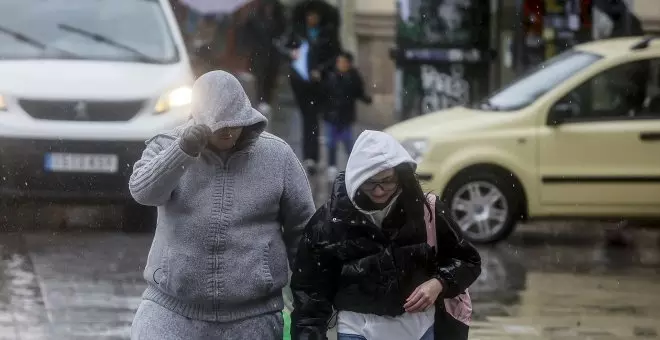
point(387, 185)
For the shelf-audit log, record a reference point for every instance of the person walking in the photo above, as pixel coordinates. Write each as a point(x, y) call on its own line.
point(343, 87)
point(232, 202)
point(312, 46)
point(367, 254)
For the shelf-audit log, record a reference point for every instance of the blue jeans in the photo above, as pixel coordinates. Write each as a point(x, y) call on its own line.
point(427, 336)
point(335, 135)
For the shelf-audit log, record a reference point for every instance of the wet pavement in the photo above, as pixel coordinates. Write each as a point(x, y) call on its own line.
point(544, 283)
point(548, 281)
point(567, 284)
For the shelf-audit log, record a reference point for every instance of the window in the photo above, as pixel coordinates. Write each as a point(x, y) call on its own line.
point(629, 90)
point(115, 30)
point(539, 81)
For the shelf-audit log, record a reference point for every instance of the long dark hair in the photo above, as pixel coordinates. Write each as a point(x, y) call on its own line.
point(412, 196)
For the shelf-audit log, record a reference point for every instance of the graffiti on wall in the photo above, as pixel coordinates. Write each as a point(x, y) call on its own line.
point(437, 67)
point(443, 90)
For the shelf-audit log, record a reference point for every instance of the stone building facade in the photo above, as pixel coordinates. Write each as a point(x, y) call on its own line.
point(368, 30)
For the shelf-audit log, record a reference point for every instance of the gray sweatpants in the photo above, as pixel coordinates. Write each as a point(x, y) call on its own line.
point(153, 322)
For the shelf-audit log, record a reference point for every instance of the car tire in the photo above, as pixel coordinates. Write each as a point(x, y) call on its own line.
point(495, 220)
point(139, 219)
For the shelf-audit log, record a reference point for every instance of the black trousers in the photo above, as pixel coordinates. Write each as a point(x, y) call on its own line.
point(307, 99)
point(265, 67)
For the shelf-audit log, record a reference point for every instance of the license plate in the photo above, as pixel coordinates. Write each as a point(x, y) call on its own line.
point(72, 162)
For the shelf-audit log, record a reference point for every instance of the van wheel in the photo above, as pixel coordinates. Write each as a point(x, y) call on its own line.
point(483, 204)
point(139, 218)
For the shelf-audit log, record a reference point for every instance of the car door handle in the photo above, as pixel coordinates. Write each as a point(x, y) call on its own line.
point(649, 136)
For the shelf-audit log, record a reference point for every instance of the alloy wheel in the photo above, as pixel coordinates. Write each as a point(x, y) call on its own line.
point(480, 209)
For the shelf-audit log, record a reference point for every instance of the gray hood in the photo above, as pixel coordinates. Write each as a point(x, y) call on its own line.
point(219, 100)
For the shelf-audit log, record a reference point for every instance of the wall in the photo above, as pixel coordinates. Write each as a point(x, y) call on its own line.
point(374, 32)
point(648, 11)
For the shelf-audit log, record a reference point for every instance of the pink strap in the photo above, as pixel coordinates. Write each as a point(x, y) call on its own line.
point(429, 218)
point(460, 307)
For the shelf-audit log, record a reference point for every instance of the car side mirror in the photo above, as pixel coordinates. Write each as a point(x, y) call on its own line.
point(560, 112)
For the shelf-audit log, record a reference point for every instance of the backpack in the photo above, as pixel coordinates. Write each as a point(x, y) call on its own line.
point(459, 308)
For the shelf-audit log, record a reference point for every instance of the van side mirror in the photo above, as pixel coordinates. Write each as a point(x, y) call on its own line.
point(561, 111)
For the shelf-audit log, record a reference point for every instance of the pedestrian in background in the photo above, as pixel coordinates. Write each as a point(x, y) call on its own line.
point(383, 254)
point(343, 86)
point(232, 202)
point(312, 46)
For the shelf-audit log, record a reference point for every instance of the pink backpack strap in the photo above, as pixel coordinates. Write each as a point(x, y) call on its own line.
point(429, 218)
point(459, 307)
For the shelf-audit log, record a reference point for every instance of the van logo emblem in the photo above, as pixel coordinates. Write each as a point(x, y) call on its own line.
point(81, 111)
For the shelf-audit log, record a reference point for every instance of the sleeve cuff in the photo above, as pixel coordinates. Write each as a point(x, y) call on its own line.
point(445, 288)
point(175, 156)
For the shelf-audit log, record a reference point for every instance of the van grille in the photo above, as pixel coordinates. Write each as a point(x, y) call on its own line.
point(95, 111)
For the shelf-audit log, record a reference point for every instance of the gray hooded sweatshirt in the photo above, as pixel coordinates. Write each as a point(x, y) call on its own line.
point(224, 227)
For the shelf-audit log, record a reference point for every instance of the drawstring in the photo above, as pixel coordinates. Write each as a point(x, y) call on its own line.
point(330, 323)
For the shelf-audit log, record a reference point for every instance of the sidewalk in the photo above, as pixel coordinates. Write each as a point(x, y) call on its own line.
point(286, 124)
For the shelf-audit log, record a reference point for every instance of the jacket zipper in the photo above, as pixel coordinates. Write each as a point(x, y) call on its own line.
point(388, 245)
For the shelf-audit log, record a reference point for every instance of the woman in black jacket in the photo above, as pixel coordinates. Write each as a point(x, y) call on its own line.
point(365, 254)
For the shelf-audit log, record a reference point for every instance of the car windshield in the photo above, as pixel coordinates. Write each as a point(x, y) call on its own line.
point(116, 30)
point(538, 81)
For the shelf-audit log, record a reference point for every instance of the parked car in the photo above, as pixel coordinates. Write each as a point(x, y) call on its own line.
point(577, 136)
point(83, 85)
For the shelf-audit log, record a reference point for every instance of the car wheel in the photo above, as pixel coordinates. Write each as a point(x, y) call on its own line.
point(139, 218)
point(483, 204)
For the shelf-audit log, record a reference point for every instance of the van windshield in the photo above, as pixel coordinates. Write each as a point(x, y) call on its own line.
point(538, 81)
point(114, 30)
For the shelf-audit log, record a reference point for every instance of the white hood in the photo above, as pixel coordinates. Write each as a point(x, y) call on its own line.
point(373, 152)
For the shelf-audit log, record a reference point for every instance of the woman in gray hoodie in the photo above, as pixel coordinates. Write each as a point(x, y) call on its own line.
point(232, 201)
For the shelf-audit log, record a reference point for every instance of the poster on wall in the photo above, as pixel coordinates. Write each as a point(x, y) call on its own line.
point(615, 18)
point(550, 27)
point(437, 40)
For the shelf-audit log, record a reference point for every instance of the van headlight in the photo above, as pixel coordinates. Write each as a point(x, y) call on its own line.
point(3, 103)
point(178, 97)
point(416, 148)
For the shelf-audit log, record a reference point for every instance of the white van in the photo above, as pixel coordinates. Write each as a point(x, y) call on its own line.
point(83, 84)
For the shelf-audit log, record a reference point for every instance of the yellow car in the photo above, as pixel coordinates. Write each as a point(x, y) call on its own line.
point(577, 136)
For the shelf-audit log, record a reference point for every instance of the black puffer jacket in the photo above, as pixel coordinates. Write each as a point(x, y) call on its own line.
point(342, 90)
point(346, 262)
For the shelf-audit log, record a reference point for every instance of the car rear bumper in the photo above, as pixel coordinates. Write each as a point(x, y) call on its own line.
point(23, 175)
